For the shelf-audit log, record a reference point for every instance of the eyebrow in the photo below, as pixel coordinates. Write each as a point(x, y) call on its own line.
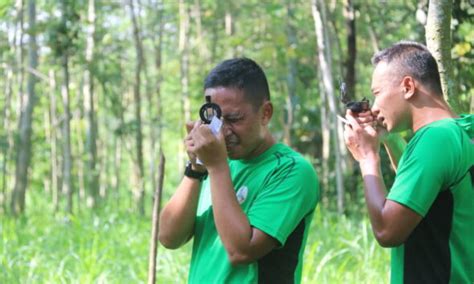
point(233, 115)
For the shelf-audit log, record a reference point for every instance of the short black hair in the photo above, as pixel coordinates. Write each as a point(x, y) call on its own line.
point(243, 74)
point(413, 59)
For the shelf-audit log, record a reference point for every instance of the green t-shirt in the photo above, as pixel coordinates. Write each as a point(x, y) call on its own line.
point(434, 179)
point(278, 191)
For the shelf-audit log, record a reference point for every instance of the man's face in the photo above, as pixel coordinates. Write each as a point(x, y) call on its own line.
point(243, 126)
point(390, 107)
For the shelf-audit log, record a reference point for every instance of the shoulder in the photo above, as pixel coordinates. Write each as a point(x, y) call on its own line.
point(436, 135)
point(287, 155)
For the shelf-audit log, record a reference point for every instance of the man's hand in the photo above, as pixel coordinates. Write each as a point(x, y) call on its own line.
point(361, 137)
point(191, 127)
point(209, 148)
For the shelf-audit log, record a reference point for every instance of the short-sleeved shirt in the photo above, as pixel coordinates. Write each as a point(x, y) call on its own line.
point(435, 180)
point(278, 191)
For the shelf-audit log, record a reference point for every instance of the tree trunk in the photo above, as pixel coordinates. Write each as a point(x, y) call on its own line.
point(292, 72)
point(184, 69)
point(53, 121)
point(26, 118)
point(326, 144)
point(7, 136)
point(229, 26)
point(78, 115)
point(67, 185)
point(374, 39)
point(319, 16)
point(203, 51)
point(139, 173)
point(20, 52)
point(155, 116)
point(156, 222)
point(438, 41)
point(91, 137)
point(349, 15)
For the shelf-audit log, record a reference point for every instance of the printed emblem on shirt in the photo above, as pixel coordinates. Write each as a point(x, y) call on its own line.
point(242, 194)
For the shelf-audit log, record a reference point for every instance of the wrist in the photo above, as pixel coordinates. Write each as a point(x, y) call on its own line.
point(370, 165)
point(191, 172)
point(218, 167)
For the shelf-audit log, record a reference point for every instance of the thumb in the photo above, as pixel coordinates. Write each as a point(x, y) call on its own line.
point(190, 125)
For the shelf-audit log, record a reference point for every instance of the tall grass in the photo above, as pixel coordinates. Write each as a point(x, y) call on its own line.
point(111, 246)
point(343, 250)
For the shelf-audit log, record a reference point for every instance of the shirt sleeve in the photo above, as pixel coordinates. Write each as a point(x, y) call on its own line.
point(424, 170)
point(291, 193)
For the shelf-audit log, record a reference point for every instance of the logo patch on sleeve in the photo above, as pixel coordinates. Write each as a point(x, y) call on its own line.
point(242, 194)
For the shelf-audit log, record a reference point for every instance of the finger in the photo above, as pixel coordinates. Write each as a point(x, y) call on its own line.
point(367, 113)
point(347, 133)
point(345, 121)
point(201, 134)
point(189, 126)
point(353, 122)
point(364, 119)
point(192, 125)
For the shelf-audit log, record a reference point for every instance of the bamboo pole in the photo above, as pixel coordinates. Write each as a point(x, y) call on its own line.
point(155, 222)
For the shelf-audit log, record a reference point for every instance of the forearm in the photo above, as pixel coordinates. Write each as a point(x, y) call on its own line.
point(177, 217)
point(375, 192)
point(231, 222)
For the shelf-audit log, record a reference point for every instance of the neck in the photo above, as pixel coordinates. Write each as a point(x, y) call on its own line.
point(430, 111)
point(267, 142)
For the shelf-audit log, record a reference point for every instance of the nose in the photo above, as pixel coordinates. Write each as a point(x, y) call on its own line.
point(226, 128)
point(375, 109)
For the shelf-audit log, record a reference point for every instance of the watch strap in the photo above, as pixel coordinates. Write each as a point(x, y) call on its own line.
point(189, 172)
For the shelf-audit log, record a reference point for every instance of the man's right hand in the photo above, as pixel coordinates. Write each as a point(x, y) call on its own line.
point(370, 118)
point(191, 126)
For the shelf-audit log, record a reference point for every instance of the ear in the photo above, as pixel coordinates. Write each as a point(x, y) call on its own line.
point(267, 112)
point(408, 87)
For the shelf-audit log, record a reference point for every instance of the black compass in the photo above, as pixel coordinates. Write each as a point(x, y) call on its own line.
point(209, 110)
point(354, 106)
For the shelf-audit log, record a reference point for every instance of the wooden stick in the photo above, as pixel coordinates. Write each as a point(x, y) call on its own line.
point(156, 222)
point(343, 119)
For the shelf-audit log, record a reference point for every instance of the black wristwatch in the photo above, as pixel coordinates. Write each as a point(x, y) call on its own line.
point(189, 172)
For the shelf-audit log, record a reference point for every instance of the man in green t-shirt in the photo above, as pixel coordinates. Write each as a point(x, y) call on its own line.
point(428, 215)
point(249, 201)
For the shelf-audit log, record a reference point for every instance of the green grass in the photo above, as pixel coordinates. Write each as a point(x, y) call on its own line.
point(112, 247)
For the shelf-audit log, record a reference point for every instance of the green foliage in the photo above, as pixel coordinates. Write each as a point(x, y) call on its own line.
point(62, 33)
point(463, 54)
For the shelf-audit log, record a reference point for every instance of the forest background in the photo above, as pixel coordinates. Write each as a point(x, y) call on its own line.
point(95, 93)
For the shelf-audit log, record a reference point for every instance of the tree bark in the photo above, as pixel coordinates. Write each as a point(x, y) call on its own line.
point(91, 137)
point(318, 9)
point(53, 121)
point(26, 118)
point(8, 136)
point(139, 169)
point(438, 41)
point(349, 15)
point(291, 74)
point(20, 52)
point(155, 116)
point(184, 68)
point(67, 184)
